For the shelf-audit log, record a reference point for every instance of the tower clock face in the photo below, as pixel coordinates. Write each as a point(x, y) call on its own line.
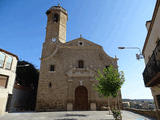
point(53, 39)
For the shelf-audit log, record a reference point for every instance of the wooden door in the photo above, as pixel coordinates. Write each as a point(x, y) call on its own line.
point(81, 98)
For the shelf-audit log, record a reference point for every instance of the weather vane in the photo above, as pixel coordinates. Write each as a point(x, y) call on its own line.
point(59, 2)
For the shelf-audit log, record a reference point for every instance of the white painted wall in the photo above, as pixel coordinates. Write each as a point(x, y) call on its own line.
point(154, 36)
point(5, 91)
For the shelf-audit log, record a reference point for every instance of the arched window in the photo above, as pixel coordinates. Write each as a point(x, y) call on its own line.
point(55, 17)
point(80, 64)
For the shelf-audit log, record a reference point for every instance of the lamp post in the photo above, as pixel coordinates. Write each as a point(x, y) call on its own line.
point(138, 55)
point(26, 65)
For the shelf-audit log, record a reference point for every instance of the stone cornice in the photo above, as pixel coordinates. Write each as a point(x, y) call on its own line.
point(80, 72)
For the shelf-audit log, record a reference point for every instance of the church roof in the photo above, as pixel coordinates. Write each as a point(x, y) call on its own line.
point(84, 43)
point(81, 42)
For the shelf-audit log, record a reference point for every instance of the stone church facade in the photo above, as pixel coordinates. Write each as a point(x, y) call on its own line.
point(68, 69)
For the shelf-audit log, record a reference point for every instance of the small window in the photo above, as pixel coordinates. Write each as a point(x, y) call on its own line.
point(3, 81)
point(55, 18)
point(80, 43)
point(2, 58)
point(50, 85)
point(8, 62)
point(158, 101)
point(80, 64)
point(52, 68)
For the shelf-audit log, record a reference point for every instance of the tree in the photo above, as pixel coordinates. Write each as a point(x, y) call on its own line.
point(109, 82)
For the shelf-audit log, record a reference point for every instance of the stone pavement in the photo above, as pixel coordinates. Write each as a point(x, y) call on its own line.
point(73, 115)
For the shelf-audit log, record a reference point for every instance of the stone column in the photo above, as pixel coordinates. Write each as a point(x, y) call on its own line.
point(70, 96)
point(69, 106)
point(93, 106)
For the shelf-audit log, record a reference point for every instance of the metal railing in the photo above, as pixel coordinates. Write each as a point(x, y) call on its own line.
point(153, 66)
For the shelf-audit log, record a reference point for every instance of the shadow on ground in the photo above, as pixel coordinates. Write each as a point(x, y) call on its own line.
point(76, 115)
point(72, 115)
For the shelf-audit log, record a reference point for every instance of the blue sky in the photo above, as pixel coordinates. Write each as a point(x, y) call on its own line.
point(110, 23)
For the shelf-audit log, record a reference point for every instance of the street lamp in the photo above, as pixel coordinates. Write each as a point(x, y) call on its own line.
point(26, 65)
point(138, 55)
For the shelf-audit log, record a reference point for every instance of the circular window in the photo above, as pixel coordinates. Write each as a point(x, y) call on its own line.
point(80, 43)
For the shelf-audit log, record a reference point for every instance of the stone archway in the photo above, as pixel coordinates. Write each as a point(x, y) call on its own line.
point(81, 98)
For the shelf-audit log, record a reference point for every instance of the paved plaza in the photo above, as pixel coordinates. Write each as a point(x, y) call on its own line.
point(73, 115)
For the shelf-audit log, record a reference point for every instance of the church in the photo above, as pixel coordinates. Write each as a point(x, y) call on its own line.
point(68, 69)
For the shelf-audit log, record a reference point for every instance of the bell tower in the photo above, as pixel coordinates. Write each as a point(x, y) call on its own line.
point(56, 24)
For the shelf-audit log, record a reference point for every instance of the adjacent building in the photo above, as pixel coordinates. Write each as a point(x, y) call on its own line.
point(151, 53)
point(25, 88)
point(8, 63)
point(68, 69)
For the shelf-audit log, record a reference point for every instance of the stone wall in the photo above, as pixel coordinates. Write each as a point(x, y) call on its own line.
point(147, 113)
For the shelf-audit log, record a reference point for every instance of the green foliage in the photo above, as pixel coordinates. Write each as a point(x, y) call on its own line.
point(116, 114)
point(109, 82)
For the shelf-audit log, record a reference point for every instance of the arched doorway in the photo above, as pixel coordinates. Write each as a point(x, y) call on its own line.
point(81, 98)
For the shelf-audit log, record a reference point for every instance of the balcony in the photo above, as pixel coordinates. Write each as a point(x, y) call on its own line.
point(151, 74)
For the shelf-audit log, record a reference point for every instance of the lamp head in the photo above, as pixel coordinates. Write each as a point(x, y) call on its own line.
point(26, 65)
point(121, 47)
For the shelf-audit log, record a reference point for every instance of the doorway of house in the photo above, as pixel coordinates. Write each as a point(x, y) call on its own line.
point(81, 98)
